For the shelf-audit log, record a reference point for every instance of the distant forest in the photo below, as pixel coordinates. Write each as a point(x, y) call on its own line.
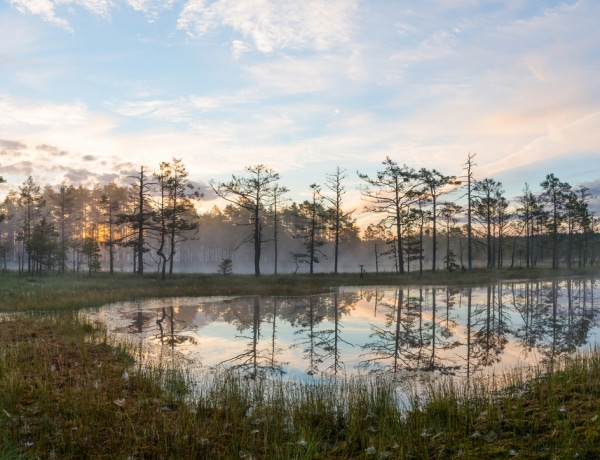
point(153, 225)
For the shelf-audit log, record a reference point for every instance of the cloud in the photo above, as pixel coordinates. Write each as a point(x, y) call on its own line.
point(295, 76)
point(79, 176)
point(17, 112)
point(205, 189)
point(11, 145)
point(43, 8)
point(174, 111)
point(151, 8)
point(286, 76)
point(9, 151)
point(594, 195)
point(185, 109)
point(239, 47)
point(98, 7)
point(20, 168)
point(274, 25)
point(46, 9)
point(425, 85)
point(54, 151)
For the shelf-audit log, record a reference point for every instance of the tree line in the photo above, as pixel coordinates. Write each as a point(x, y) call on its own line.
point(153, 222)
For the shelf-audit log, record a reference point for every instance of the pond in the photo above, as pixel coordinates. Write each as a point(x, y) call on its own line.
point(461, 331)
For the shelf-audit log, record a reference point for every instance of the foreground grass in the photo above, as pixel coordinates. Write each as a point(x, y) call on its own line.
point(68, 392)
point(67, 292)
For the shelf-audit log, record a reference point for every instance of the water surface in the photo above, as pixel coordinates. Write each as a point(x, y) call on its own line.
point(462, 331)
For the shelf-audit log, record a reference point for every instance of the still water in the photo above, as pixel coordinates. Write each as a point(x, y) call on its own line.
point(462, 331)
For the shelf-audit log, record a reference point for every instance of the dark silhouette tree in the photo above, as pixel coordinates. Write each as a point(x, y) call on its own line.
point(418, 217)
point(31, 203)
point(577, 219)
point(488, 207)
point(435, 185)
point(90, 249)
point(61, 204)
point(448, 213)
point(338, 216)
point(182, 213)
point(554, 196)
point(139, 219)
point(161, 215)
point(391, 193)
point(42, 246)
point(525, 212)
point(2, 211)
point(278, 192)
point(468, 167)
point(584, 219)
point(111, 208)
point(311, 225)
point(254, 193)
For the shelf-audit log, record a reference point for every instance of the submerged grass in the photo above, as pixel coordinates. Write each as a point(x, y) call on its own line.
point(72, 291)
point(70, 392)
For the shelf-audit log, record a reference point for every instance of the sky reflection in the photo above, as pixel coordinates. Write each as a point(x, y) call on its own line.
point(421, 331)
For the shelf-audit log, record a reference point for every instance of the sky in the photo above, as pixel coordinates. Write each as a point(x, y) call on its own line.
point(90, 90)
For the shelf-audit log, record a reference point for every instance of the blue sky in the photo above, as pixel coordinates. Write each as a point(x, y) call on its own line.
point(90, 90)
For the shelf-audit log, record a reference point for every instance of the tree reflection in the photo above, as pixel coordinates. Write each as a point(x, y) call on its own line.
point(490, 339)
point(332, 338)
point(254, 361)
point(311, 338)
point(388, 343)
point(437, 330)
point(561, 329)
point(441, 333)
point(524, 297)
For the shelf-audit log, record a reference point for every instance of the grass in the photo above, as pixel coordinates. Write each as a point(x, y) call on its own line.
point(69, 392)
point(68, 292)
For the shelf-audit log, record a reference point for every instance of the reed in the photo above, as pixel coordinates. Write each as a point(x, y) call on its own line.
point(70, 392)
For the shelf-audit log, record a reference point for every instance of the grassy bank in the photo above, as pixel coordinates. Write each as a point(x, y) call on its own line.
point(67, 292)
point(69, 393)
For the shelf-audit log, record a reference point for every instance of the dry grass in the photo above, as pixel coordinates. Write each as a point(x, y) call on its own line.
point(69, 393)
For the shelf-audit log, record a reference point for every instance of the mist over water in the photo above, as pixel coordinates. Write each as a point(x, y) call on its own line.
point(398, 331)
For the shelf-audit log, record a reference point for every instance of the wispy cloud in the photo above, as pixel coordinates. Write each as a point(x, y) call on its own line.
point(302, 85)
point(46, 9)
point(289, 75)
point(274, 25)
point(151, 8)
point(174, 111)
point(16, 111)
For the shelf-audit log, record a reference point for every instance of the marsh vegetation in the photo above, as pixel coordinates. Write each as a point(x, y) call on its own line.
point(71, 390)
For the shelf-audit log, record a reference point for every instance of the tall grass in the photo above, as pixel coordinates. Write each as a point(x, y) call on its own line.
point(69, 392)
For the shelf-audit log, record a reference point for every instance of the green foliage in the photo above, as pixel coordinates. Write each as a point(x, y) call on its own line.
point(42, 246)
point(225, 267)
point(91, 250)
point(450, 261)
